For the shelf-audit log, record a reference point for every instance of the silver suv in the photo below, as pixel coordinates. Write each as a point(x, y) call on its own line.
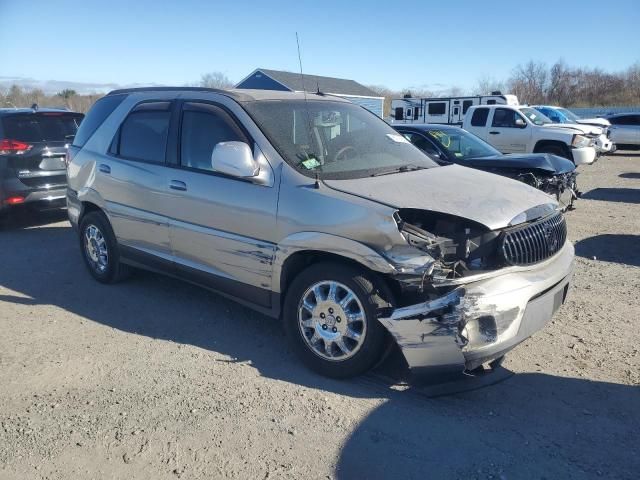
point(313, 210)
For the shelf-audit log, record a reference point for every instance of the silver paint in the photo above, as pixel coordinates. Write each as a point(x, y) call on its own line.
point(246, 229)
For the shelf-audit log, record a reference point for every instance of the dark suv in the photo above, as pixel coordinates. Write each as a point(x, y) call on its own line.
point(33, 144)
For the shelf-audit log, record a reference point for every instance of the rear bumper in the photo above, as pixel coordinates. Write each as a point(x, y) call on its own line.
point(37, 197)
point(481, 320)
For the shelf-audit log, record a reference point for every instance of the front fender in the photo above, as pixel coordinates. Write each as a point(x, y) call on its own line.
point(323, 242)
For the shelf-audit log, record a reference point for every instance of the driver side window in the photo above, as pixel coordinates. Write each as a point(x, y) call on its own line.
point(203, 127)
point(504, 118)
point(422, 143)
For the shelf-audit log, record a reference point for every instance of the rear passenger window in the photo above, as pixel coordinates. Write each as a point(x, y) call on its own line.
point(479, 118)
point(203, 127)
point(143, 134)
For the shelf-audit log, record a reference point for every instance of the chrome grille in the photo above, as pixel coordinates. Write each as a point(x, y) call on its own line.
point(534, 242)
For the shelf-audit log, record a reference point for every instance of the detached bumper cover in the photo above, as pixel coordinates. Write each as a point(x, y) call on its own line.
point(481, 320)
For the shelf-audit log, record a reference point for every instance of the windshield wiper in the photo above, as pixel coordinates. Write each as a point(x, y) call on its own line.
point(404, 168)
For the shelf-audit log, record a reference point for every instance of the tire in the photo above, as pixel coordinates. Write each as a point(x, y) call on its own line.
point(555, 150)
point(349, 356)
point(101, 254)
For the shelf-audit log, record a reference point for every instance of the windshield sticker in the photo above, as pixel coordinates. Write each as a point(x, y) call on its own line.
point(310, 163)
point(397, 138)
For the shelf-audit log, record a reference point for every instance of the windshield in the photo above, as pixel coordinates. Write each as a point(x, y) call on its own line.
point(461, 144)
point(569, 114)
point(337, 139)
point(534, 116)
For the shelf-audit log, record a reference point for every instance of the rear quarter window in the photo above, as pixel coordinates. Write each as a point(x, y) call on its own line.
point(96, 116)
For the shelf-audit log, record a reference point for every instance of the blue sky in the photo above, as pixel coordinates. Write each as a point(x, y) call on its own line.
point(433, 45)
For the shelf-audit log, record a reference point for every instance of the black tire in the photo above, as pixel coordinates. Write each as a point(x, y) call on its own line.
point(556, 150)
point(372, 294)
point(113, 270)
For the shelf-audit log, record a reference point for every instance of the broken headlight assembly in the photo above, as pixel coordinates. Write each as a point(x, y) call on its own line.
point(455, 246)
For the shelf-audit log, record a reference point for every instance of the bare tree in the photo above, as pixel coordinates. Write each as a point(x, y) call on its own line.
point(487, 84)
point(215, 80)
point(529, 82)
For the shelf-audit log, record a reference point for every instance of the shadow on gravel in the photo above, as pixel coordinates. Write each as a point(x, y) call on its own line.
point(623, 195)
point(630, 175)
point(623, 249)
point(25, 218)
point(530, 426)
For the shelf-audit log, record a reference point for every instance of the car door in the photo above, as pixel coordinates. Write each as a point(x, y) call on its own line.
point(478, 123)
point(132, 180)
point(505, 132)
point(625, 129)
point(220, 225)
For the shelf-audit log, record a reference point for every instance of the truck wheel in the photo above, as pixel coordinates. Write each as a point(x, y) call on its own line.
point(556, 150)
point(100, 249)
point(331, 318)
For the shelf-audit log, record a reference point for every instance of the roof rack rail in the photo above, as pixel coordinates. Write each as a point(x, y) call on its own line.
point(164, 89)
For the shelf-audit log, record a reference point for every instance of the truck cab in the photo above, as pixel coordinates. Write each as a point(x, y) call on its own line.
point(518, 129)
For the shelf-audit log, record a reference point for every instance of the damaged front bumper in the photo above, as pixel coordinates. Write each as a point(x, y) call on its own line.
point(482, 317)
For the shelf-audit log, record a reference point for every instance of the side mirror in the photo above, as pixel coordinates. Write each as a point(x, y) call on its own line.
point(234, 159)
point(520, 123)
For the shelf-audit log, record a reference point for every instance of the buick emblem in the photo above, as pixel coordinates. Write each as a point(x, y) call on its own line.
point(552, 241)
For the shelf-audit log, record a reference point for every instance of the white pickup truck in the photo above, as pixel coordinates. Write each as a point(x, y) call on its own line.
point(517, 129)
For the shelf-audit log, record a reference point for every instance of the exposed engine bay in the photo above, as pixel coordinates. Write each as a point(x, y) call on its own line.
point(563, 187)
point(460, 246)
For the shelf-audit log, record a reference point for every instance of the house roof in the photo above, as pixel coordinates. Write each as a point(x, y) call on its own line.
point(340, 86)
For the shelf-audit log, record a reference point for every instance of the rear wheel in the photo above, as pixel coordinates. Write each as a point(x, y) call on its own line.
point(100, 249)
point(331, 317)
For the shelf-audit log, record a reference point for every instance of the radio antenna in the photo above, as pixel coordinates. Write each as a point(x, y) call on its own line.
point(306, 104)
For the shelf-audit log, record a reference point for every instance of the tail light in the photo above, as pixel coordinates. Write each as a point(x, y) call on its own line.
point(14, 200)
point(13, 147)
point(71, 152)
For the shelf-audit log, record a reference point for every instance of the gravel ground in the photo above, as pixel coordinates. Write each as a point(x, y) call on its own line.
point(158, 379)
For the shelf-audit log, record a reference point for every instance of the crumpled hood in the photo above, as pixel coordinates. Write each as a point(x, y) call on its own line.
point(571, 127)
point(488, 199)
point(599, 122)
point(587, 129)
point(525, 161)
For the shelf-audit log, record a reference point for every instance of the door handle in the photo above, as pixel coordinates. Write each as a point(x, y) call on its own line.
point(494, 133)
point(178, 185)
point(104, 168)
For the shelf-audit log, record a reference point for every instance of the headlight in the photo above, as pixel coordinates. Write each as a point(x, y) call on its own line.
point(580, 141)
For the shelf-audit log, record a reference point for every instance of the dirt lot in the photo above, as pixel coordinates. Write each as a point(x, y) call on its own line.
point(157, 379)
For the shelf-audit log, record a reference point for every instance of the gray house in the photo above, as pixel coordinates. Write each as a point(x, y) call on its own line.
point(264, 79)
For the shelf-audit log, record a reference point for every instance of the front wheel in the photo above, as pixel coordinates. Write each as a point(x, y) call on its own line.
point(331, 317)
point(556, 150)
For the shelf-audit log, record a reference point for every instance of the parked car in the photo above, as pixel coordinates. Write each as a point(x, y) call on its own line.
point(514, 129)
point(33, 144)
point(599, 133)
point(625, 130)
point(446, 144)
point(314, 210)
point(565, 113)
